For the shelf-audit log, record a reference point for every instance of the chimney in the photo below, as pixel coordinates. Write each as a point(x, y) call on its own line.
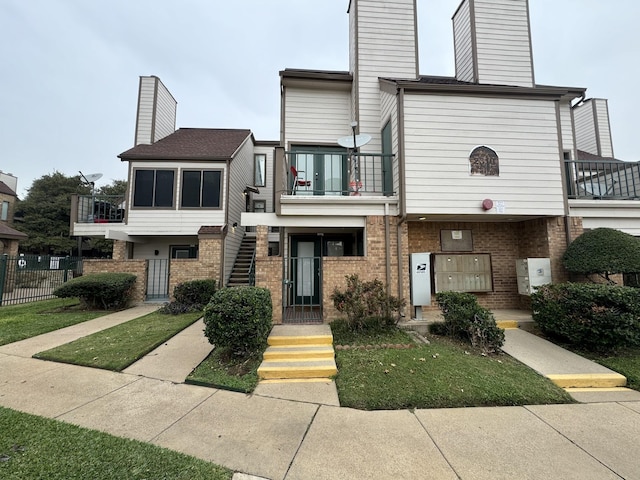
point(492, 41)
point(156, 115)
point(592, 127)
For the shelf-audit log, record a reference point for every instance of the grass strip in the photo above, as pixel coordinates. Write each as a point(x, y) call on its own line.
point(221, 370)
point(440, 375)
point(35, 447)
point(18, 322)
point(625, 361)
point(118, 347)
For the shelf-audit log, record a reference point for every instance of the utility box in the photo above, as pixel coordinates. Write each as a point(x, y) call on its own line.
point(532, 272)
point(421, 279)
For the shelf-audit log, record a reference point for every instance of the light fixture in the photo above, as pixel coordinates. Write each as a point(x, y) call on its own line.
point(234, 226)
point(422, 218)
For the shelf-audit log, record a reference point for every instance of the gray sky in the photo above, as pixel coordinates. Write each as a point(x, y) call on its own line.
point(69, 68)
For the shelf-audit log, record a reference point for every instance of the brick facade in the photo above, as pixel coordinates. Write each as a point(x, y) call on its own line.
point(506, 242)
point(135, 267)
point(334, 269)
point(206, 266)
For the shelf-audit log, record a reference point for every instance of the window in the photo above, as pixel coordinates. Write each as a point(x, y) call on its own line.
point(201, 188)
point(259, 169)
point(153, 188)
point(5, 211)
point(387, 159)
point(184, 251)
point(484, 161)
point(259, 206)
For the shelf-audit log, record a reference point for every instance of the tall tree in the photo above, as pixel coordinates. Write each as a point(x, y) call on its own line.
point(46, 214)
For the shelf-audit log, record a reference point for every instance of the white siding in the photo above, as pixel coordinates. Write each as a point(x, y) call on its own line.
point(266, 192)
point(503, 42)
point(144, 122)
point(389, 104)
point(173, 221)
point(623, 215)
point(386, 48)
point(440, 133)
point(566, 124)
point(156, 117)
point(463, 43)
point(165, 121)
point(240, 176)
point(586, 138)
point(316, 116)
point(604, 131)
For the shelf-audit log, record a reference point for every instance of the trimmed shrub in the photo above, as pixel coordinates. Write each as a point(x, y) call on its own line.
point(465, 319)
point(596, 317)
point(191, 296)
point(106, 291)
point(239, 319)
point(366, 303)
point(603, 251)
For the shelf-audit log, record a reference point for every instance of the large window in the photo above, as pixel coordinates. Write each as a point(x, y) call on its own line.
point(153, 188)
point(5, 211)
point(259, 169)
point(201, 188)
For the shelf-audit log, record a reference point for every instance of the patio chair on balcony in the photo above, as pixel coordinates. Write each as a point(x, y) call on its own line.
point(297, 181)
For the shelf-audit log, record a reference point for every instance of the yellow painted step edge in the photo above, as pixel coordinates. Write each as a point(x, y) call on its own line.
point(593, 380)
point(267, 374)
point(507, 324)
point(296, 380)
point(300, 340)
point(298, 357)
point(599, 390)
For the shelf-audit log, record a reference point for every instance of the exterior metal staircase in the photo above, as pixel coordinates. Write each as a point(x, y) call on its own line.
point(244, 266)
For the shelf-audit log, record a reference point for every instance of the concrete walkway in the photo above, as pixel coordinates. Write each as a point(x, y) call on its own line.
point(283, 439)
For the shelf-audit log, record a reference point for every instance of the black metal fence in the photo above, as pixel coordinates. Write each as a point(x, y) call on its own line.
point(27, 278)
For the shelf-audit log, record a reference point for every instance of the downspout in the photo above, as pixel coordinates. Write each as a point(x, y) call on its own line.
point(401, 190)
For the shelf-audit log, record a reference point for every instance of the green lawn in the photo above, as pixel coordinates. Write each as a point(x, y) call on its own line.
point(442, 374)
point(219, 370)
point(40, 448)
point(625, 362)
point(118, 347)
point(27, 320)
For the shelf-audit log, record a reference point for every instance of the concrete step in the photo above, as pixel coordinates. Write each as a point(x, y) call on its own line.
point(588, 380)
point(601, 395)
point(283, 341)
point(269, 370)
point(299, 352)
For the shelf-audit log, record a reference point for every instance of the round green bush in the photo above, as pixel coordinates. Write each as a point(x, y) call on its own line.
point(239, 319)
point(596, 317)
point(603, 251)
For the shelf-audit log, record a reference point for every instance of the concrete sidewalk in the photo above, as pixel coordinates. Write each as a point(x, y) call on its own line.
point(306, 438)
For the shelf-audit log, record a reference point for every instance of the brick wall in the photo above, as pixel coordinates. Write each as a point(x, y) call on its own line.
point(135, 267)
point(269, 272)
point(506, 242)
point(206, 266)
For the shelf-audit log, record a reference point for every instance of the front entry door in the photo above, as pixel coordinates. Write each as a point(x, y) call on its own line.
point(305, 270)
point(323, 170)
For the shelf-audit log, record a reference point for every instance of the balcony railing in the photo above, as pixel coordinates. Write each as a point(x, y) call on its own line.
point(337, 173)
point(603, 180)
point(101, 209)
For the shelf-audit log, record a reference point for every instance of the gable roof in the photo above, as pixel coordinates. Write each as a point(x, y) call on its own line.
point(191, 144)
point(582, 155)
point(6, 190)
point(8, 232)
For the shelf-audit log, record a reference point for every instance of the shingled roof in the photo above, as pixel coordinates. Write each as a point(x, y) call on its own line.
point(191, 144)
point(8, 232)
point(6, 190)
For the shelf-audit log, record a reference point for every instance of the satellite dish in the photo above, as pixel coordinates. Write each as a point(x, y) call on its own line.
point(91, 178)
point(360, 140)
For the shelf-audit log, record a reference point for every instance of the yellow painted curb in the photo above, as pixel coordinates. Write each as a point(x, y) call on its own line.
point(278, 341)
point(599, 390)
point(296, 380)
point(588, 380)
point(505, 324)
point(299, 358)
point(296, 372)
point(299, 355)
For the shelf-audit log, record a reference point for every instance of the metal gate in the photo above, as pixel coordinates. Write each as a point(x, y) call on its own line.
point(27, 278)
point(157, 279)
point(302, 295)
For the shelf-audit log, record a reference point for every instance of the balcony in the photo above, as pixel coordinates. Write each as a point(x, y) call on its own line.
point(98, 209)
point(319, 181)
point(602, 180)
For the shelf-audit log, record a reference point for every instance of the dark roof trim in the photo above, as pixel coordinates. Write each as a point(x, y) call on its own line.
point(451, 85)
point(328, 75)
point(267, 143)
point(11, 233)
